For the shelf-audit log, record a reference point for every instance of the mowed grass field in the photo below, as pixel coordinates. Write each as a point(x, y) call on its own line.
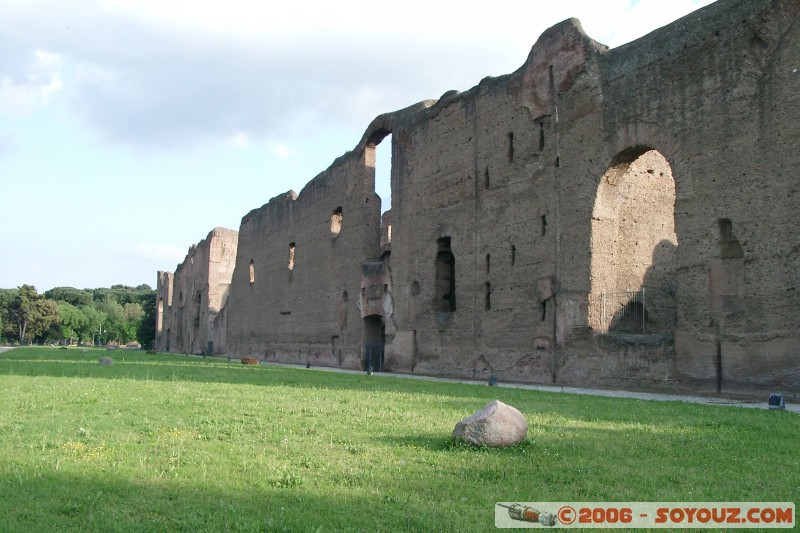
point(175, 443)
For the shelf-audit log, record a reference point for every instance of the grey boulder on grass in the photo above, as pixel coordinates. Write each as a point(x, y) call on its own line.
point(497, 425)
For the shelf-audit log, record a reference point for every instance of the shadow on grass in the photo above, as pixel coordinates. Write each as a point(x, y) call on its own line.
point(463, 399)
point(74, 502)
point(167, 367)
point(446, 443)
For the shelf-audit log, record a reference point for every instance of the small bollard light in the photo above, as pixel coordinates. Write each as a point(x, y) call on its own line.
point(493, 381)
point(776, 401)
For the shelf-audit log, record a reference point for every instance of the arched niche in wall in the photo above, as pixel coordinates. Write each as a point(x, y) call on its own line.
point(633, 244)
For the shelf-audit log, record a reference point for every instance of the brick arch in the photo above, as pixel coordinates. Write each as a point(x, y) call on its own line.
point(633, 226)
point(652, 136)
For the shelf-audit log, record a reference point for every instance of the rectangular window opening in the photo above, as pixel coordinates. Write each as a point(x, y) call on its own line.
point(541, 136)
point(336, 221)
point(725, 229)
point(445, 295)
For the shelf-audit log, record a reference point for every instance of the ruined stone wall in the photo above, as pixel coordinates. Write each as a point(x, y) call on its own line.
point(518, 204)
point(700, 91)
point(485, 186)
point(195, 294)
point(513, 179)
point(223, 246)
point(304, 307)
point(164, 284)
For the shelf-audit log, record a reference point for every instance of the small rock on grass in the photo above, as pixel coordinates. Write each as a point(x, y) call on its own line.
point(497, 425)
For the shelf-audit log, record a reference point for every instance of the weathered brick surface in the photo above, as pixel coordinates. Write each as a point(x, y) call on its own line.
point(670, 162)
point(190, 300)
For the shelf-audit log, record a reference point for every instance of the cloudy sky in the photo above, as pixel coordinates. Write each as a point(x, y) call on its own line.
point(131, 128)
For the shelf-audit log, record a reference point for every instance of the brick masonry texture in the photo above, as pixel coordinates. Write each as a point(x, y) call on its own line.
point(525, 209)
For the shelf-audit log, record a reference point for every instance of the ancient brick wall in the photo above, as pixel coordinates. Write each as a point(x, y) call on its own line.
point(515, 177)
point(295, 292)
point(164, 284)
point(192, 297)
point(700, 91)
point(608, 217)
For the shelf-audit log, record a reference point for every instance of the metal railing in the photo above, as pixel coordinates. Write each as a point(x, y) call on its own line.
point(373, 356)
point(646, 311)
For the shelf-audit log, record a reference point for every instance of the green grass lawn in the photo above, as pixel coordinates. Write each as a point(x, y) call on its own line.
point(172, 443)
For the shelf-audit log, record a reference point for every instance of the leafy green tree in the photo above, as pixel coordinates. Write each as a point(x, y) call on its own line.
point(21, 309)
point(32, 314)
point(73, 321)
point(76, 297)
point(131, 315)
point(8, 329)
point(146, 332)
point(120, 293)
point(132, 312)
point(7, 296)
point(95, 322)
point(114, 324)
point(102, 314)
point(43, 325)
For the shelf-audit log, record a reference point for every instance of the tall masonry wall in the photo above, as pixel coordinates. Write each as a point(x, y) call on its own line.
point(604, 217)
point(189, 300)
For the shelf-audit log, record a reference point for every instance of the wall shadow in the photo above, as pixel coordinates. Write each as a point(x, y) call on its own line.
point(75, 502)
point(174, 368)
point(651, 309)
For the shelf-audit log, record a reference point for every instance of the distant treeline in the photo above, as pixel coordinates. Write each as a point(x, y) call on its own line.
point(66, 315)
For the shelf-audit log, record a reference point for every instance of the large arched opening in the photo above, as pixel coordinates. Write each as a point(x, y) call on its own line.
point(378, 158)
point(633, 245)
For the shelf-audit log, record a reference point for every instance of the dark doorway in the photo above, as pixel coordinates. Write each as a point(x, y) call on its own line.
point(374, 336)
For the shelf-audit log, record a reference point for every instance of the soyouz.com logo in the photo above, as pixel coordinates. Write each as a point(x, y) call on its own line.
point(719, 515)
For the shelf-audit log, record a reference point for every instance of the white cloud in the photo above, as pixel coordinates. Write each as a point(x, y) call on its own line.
point(296, 81)
point(42, 80)
point(240, 139)
point(202, 69)
point(284, 151)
